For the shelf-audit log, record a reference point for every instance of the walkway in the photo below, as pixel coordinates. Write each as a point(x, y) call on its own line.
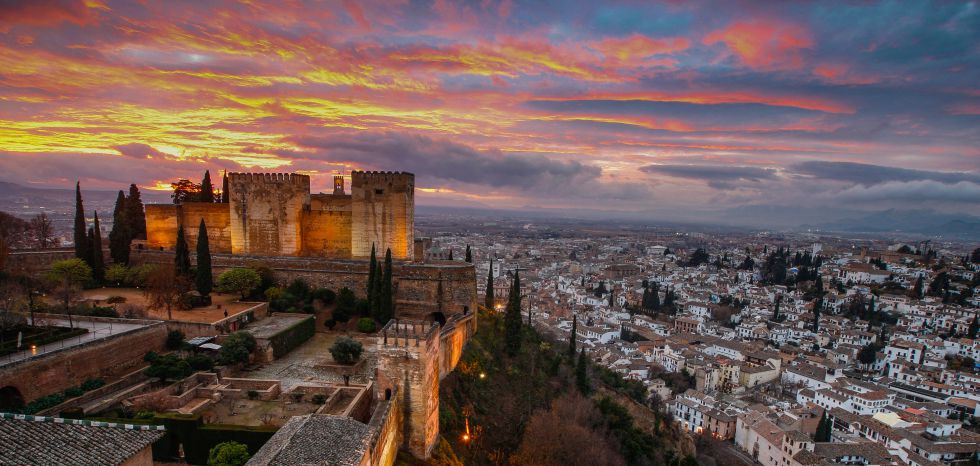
point(96, 331)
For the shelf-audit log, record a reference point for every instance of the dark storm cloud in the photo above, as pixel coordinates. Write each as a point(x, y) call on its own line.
point(717, 176)
point(138, 151)
point(447, 160)
point(867, 175)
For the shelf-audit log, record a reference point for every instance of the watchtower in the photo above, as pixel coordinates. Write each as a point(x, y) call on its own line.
point(383, 213)
point(266, 212)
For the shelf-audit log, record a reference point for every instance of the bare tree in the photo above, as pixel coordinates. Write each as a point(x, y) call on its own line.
point(42, 231)
point(164, 289)
point(565, 436)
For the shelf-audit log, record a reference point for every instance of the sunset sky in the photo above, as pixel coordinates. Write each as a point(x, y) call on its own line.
point(678, 107)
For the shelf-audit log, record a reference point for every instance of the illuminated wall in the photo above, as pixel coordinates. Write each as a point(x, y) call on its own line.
point(383, 213)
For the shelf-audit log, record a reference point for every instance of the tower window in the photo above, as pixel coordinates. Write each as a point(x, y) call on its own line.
point(379, 191)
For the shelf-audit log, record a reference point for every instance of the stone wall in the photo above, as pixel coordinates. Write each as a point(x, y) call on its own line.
point(383, 213)
point(327, 226)
point(56, 371)
point(386, 424)
point(421, 290)
point(266, 212)
point(408, 361)
point(161, 225)
point(453, 337)
point(36, 261)
point(216, 217)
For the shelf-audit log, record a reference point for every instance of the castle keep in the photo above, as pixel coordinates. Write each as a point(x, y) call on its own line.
point(275, 214)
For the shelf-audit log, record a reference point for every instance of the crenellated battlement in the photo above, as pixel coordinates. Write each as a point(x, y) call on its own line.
point(270, 178)
point(361, 178)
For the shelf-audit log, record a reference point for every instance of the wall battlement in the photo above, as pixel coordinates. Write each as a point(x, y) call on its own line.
point(270, 178)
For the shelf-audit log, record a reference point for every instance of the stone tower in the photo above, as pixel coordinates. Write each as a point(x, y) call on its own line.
point(408, 363)
point(266, 212)
point(383, 213)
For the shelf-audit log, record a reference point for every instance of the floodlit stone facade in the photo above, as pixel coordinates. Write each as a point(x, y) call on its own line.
point(275, 214)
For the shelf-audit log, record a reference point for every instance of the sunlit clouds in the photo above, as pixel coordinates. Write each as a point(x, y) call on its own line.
point(628, 107)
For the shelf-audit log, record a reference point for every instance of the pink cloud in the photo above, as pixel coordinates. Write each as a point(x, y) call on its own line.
point(764, 44)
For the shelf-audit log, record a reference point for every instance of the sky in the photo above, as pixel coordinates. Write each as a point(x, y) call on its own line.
point(677, 108)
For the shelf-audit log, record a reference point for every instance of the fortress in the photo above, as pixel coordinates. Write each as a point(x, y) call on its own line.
point(275, 214)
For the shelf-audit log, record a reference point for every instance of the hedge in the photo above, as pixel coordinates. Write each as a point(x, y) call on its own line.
point(291, 337)
point(54, 334)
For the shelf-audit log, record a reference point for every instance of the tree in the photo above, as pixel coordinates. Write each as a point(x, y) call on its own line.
point(488, 295)
point(120, 236)
point(567, 434)
point(182, 254)
point(236, 348)
point(512, 317)
point(203, 279)
point(98, 260)
point(207, 189)
point(582, 374)
point(81, 240)
point(699, 257)
point(824, 429)
point(175, 338)
point(167, 367)
point(817, 305)
point(451, 254)
point(135, 214)
point(868, 354)
point(185, 191)
point(224, 188)
point(68, 276)
point(916, 291)
point(42, 231)
point(346, 350)
point(571, 338)
point(974, 327)
point(387, 308)
point(228, 454)
point(372, 281)
point(469, 254)
point(239, 280)
point(775, 312)
point(165, 289)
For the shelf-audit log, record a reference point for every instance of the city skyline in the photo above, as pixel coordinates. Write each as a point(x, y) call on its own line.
point(670, 108)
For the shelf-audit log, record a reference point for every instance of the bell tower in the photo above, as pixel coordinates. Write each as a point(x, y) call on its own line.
point(338, 185)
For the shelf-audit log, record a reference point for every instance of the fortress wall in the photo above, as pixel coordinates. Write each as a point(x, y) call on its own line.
point(454, 336)
point(327, 226)
point(266, 212)
point(408, 361)
point(161, 225)
point(383, 213)
point(59, 370)
point(216, 217)
point(416, 286)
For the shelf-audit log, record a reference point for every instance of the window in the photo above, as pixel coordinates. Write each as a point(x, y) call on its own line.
point(379, 191)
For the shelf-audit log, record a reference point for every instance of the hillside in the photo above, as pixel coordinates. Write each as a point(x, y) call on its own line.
point(527, 410)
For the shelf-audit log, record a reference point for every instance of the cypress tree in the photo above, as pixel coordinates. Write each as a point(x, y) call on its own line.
point(582, 374)
point(816, 314)
point(451, 254)
point(81, 240)
point(203, 279)
point(387, 298)
point(775, 312)
point(182, 255)
point(974, 327)
point(207, 189)
point(488, 296)
point(224, 188)
point(135, 214)
point(371, 281)
point(120, 236)
point(469, 254)
point(824, 429)
point(512, 317)
point(89, 241)
point(655, 297)
point(571, 339)
point(98, 260)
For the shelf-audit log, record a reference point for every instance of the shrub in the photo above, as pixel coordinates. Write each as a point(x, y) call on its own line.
point(236, 348)
point(138, 276)
point(239, 280)
point(145, 415)
point(151, 356)
point(175, 338)
point(299, 288)
point(169, 367)
point(363, 307)
point(325, 296)
point(346, 350)
point(366, 325)
point(346, 303)
point(273, 293)
point(228, 454)
point(296, 396)
point(116, 299)
point(252, 394)
point(319, 399)
point(103, 311)
point(200, 362)
point(116, 274)
point(92, 384)
point(330, 323)
point(73, 392)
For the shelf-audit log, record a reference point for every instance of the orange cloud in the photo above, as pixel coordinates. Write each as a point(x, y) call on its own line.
point(838, 73)
point(638, 49)
point(765, 44)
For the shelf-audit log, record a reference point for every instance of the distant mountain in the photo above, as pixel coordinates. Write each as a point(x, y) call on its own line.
point(921, 222)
